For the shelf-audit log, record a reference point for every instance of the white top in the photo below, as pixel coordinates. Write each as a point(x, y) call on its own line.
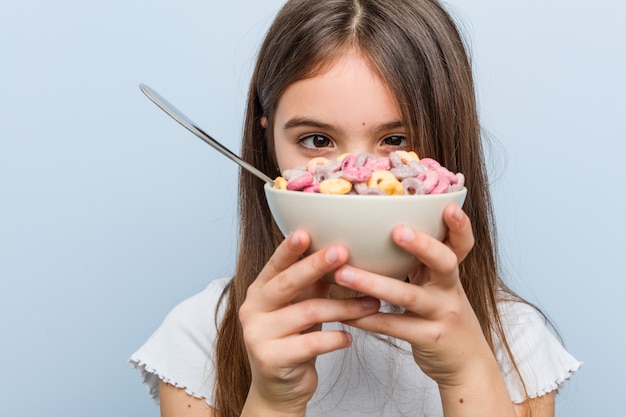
point(370, 378)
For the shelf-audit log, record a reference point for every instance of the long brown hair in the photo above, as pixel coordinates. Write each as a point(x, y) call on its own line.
point(416, 48)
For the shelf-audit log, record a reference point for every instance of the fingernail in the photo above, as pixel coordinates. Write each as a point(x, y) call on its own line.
point(295, 238)
point(347, 275)
point(331, 255)
point(458, 213)
point(407, 235)
point(369, 303)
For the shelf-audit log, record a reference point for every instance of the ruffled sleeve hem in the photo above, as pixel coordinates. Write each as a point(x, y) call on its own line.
point(180, 351)
point(543, 363)
point(554, 386)
point(151, 378)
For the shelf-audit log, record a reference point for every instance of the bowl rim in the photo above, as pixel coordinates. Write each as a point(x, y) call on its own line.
point(268, 187)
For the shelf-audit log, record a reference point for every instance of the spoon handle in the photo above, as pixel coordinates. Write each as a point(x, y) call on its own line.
point(168, 108)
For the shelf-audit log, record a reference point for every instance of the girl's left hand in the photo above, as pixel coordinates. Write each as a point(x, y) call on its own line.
point(438, 322)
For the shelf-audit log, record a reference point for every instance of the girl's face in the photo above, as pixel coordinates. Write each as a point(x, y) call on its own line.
point(347, 109)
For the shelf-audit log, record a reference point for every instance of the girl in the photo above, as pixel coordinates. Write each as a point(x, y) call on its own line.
point(337, 76)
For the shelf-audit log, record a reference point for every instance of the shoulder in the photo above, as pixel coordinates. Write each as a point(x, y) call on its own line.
point(542, 361)
point(180, 351)
point(199, 309)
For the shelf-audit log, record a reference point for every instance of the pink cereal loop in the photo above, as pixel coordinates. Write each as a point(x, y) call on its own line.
point(430, 163)
point(429, 179)
point(442, 186)
point(449, 175)
point(301, 182)
point(314, 188)
point(379, 164)
point(357, 174)
point(348, 161)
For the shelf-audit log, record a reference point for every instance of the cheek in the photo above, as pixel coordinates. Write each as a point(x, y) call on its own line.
point(288, 156)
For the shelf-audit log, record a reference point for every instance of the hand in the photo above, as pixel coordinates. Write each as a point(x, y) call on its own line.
point(281, 320)
point(438, 320)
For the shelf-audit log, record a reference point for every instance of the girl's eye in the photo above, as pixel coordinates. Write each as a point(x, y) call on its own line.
point(316, 141)
point(397, 141)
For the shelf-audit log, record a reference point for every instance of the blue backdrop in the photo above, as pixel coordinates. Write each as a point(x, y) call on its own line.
point(111, 213)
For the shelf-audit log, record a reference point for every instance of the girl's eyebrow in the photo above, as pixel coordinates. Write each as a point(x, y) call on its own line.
point(307, 122)
point(396, 124)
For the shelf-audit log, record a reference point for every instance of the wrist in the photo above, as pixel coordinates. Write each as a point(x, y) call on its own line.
point(480, 392)
point(258, 406)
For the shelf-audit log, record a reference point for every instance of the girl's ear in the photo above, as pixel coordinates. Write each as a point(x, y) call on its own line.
point(263, 122)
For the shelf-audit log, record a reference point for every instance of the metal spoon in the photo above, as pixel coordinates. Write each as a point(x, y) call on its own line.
point(168, 108)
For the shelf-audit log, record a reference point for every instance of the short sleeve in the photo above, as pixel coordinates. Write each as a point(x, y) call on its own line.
point(180, 351)
point(541, 359)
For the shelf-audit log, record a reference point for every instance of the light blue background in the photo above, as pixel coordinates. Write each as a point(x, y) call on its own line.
point(111, 213)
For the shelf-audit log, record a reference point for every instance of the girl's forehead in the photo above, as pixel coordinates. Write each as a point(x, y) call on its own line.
point(348, 84)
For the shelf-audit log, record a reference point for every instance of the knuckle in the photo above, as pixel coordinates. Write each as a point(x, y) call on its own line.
point(244, 312)
point(451, 266)
point(309, 310)
point(409, 299)
point(284, 284)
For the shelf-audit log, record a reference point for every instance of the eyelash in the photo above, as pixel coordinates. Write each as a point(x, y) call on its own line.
point(402, 138)
point(303, 141)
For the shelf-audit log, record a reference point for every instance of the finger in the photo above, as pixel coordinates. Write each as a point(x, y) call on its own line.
point(287, 285)
point(460, 235)
point(411, 297)
point(304, 347)
point(395, 325)
point(299, 317)
point(289, 251)
point(435, 255)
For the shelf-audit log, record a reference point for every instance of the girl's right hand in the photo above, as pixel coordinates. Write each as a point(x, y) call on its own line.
point(281, 320)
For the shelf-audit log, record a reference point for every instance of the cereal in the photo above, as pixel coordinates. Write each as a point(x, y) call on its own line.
point(413, 186)
point(335, 186)
point(357, 174)
point(400, 173)
point(315, 162)
point(301, 182)
point(386, 181)
point(280, 183)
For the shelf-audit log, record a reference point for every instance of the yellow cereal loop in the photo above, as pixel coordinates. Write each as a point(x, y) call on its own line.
point(320, 160)
point(280, 183)
point(386, 181)
point(335, 186)
point(405, 156)
point(343, 155)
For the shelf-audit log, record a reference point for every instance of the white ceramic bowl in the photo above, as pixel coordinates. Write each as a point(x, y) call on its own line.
point(363, 223)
